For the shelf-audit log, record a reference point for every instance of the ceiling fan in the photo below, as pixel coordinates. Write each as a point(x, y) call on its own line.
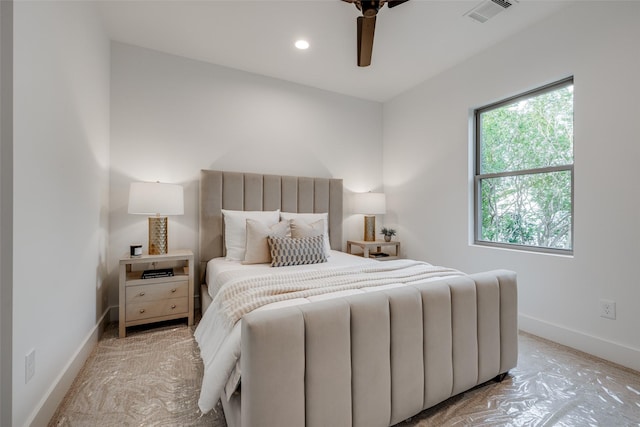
point(367, 26)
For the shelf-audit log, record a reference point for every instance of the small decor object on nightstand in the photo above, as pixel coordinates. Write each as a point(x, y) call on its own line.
point(387, 233)
point(135, 250)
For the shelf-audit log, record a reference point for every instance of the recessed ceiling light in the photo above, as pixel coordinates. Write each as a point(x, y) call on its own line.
point(302, 44)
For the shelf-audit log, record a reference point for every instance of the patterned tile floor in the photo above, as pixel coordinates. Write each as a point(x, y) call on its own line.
point(152, 378)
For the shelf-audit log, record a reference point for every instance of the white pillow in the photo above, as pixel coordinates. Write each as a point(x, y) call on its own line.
point(257, 246)
point(310, 218)
point(235, 229)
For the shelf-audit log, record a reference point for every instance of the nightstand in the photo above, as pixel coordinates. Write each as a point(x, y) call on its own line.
point(368, 248)
point(155, 299)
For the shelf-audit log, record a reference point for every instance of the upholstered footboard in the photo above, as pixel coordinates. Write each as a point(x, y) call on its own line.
point(376, 359)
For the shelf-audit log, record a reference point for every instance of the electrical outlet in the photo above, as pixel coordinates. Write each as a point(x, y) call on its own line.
point(608, 309)
point(29, 365)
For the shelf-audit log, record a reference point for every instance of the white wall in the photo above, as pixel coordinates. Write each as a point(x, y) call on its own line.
point(6, 208)
point(61, 154)
point(427, 173)
point(172, 117)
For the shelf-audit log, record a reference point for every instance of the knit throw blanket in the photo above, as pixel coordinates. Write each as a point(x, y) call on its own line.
point(241, 297)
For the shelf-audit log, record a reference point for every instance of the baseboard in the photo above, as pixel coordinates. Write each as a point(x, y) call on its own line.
point(604, 349)
point(50, 402)
point(114, 312)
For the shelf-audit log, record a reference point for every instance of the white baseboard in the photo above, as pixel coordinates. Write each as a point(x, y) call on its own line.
point(51, 400)
point(604, 349)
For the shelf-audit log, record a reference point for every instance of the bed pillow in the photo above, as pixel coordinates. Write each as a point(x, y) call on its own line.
point(287, 251)
point(301, 229)
point(309, 218)
point(235, 229)
point(257, 246)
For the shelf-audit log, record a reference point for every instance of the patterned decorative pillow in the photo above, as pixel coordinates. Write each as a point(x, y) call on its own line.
point(288, 251)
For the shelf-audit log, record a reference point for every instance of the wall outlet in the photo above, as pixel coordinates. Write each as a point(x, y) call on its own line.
point(29, 365)
point(608, 309)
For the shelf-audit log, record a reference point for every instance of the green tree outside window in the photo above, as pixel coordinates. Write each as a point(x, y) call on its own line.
point(524, 170)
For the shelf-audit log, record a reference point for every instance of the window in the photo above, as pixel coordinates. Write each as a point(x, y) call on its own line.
point(524, 171)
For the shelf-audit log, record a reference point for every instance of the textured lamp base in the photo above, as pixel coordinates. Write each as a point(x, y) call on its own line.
point(369, 228)
point(158, 229)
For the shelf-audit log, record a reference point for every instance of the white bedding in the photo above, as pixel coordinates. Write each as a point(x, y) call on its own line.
point(220, 344)
point(217, 266)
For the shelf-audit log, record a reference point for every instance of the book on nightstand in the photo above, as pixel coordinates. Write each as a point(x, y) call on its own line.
point(153, 274)
point(377, 255)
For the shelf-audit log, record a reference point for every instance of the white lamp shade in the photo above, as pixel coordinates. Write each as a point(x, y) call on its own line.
point(155, 198)
point(370, 203)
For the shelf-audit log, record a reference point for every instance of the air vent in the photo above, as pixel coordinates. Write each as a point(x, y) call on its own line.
point(488, 9)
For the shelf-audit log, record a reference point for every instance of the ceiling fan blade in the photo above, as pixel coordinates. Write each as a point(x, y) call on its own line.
point(366, 29)
point(394, 3)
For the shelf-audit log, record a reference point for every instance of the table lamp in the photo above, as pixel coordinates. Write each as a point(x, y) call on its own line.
point(159, 200)
point(370, 204)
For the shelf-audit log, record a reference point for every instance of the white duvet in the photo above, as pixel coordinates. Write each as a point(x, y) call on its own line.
point(218, 333)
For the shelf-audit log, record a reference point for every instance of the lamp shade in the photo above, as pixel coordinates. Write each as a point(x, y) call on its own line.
point(370, 203)
point(155, 198)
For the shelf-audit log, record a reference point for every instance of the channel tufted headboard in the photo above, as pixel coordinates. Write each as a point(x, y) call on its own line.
point(257, 192)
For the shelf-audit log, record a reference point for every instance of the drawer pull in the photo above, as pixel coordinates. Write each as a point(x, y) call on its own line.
point(173, 290)
point(141, 294)
point(173, 306)
point(141, 310)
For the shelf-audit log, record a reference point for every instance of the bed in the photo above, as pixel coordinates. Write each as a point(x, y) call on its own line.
point(362, 355)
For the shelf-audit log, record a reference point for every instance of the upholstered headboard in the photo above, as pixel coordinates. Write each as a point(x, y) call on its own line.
point(256, 192)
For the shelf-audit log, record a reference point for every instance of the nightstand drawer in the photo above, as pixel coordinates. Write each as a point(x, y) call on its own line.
point(156, 291)
point(166, 307)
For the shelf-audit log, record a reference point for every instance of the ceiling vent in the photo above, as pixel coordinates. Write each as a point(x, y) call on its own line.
point(488, 9)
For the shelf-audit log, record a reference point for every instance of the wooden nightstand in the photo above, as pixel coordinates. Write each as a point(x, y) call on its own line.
point(372, 247)
point(156, 299)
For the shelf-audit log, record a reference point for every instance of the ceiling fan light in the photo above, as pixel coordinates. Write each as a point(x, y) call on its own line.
point(302, 44)
point(368, 13)
point(370, 8)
